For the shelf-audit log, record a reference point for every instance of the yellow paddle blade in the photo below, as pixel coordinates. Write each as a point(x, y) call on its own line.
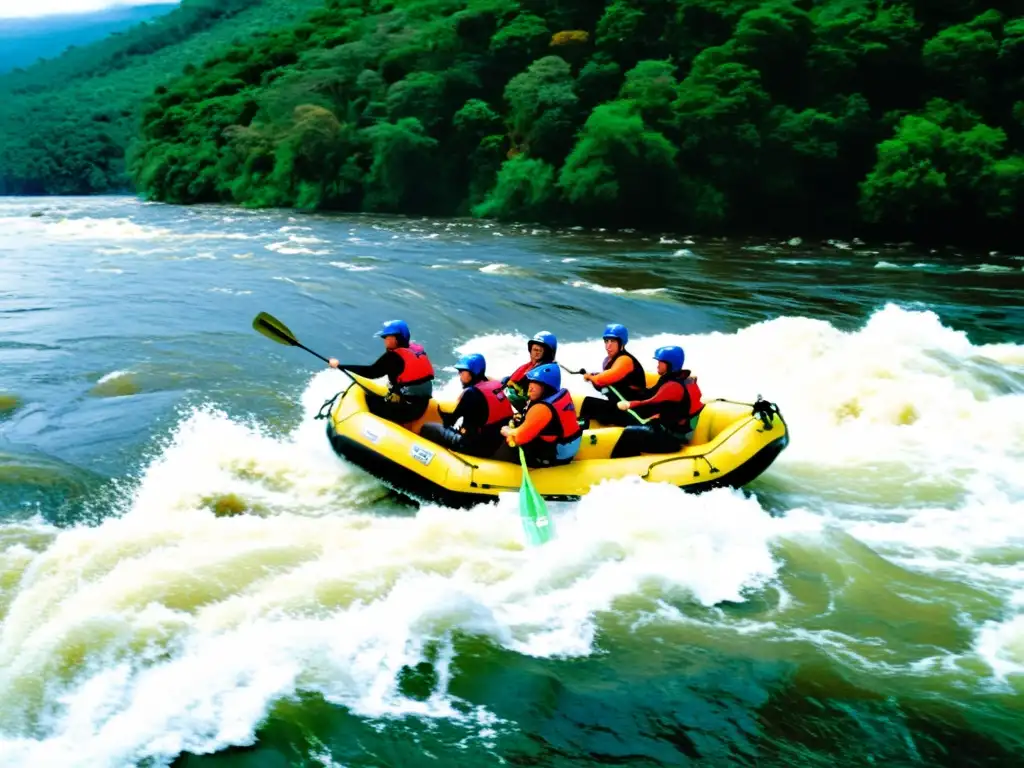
point(532, 510)
point(274, 329)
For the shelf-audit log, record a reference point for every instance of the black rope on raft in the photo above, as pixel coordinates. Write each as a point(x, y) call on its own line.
point(325, 409)
point(766, 412)
point(761, 409)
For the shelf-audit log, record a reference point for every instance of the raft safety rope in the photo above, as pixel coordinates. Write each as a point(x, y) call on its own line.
point(325, 409)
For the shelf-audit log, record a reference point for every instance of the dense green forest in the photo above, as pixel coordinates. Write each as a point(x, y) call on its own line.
point(714, 115)
point(23, 41)
point(895, 117)
point(65, 123)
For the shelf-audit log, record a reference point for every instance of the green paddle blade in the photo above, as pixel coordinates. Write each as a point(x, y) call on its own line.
point(532, 510)
point(515, 397)
point(274, 329)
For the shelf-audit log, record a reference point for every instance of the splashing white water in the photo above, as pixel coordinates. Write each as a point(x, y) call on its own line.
point(170, 628)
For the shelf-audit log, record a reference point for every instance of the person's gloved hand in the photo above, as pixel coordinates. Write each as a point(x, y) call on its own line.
point(506, 432)
point(623, 405)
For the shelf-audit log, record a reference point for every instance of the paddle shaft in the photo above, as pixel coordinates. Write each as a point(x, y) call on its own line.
point(274, 329)
point(300, 345)
point(582, 372)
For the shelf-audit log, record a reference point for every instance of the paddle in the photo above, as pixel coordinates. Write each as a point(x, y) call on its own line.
point(275, 330)
point(532, 509)
point(581, 372)
point(628, 410)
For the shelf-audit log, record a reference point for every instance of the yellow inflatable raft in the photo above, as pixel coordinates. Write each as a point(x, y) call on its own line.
point(733, 444)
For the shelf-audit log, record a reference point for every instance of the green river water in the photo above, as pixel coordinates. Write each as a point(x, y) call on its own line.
point(189, 576)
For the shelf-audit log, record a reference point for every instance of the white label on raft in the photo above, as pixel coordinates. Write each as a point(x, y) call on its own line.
point(422, 455)
point(370, 435)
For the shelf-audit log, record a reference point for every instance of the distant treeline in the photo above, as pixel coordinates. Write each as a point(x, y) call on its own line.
point(65, 123)
point(903, 119)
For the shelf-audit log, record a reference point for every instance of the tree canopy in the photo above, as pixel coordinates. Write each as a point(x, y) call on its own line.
point(901, 118)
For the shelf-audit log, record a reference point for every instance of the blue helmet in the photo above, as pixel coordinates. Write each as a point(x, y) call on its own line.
point(397, 328)
point(674, 356)
point(616, 331)
point(474, 363)
point(547, 374)
point(546, 339)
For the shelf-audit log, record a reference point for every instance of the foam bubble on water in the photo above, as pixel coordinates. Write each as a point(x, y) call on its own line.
point(1001, 645)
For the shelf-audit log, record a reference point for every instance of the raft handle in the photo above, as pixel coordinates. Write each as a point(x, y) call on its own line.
point(325, 409)
point(765, 411)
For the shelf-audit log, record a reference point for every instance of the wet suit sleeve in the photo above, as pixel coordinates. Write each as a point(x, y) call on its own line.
point(673, 391)
point(389, 364)
point(620, 369)
point(533, 425)
point(471, 408)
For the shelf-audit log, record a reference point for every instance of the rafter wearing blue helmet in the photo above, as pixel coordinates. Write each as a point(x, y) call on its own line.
point(550, 435)
point(620, 370)
point(482, 408)
point(408, 370)
point(542, 348)
point(673, 405)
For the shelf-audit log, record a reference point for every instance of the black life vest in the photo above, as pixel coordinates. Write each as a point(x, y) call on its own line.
point(634, 384)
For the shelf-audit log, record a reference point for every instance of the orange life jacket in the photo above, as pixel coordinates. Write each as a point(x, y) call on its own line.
point(499, 409)
point(563, 428)
point(417, 372)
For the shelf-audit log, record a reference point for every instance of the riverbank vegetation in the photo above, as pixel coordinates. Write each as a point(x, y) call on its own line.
point(901, 119)
point(66, 122)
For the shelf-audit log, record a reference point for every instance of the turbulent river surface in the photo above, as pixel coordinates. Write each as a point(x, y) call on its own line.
point(189, 576)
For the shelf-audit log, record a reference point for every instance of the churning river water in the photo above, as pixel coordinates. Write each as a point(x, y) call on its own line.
point(189, 575)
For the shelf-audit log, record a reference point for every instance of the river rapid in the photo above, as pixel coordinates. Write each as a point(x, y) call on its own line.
point(189, 576)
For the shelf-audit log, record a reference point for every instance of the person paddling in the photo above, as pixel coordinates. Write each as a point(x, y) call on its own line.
point(542, 348)
point(620, 370)
point(483, 407)
point(409, 372)
point(673, 405)
point(549, 434)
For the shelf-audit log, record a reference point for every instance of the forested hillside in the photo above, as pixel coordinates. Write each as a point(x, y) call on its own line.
point(23, 41)
point(65, 123)
point(718, 115)
point(895, 117)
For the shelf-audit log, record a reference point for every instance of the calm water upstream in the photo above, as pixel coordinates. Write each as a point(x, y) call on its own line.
point(862, 603)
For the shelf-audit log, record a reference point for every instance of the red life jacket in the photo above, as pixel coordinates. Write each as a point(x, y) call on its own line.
point(693, 393)
point(417, 365)
point(633, 385)
point(499, 409)
point(518, 376)
point(563, 427)
point(416, 375)
point(677, 413)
